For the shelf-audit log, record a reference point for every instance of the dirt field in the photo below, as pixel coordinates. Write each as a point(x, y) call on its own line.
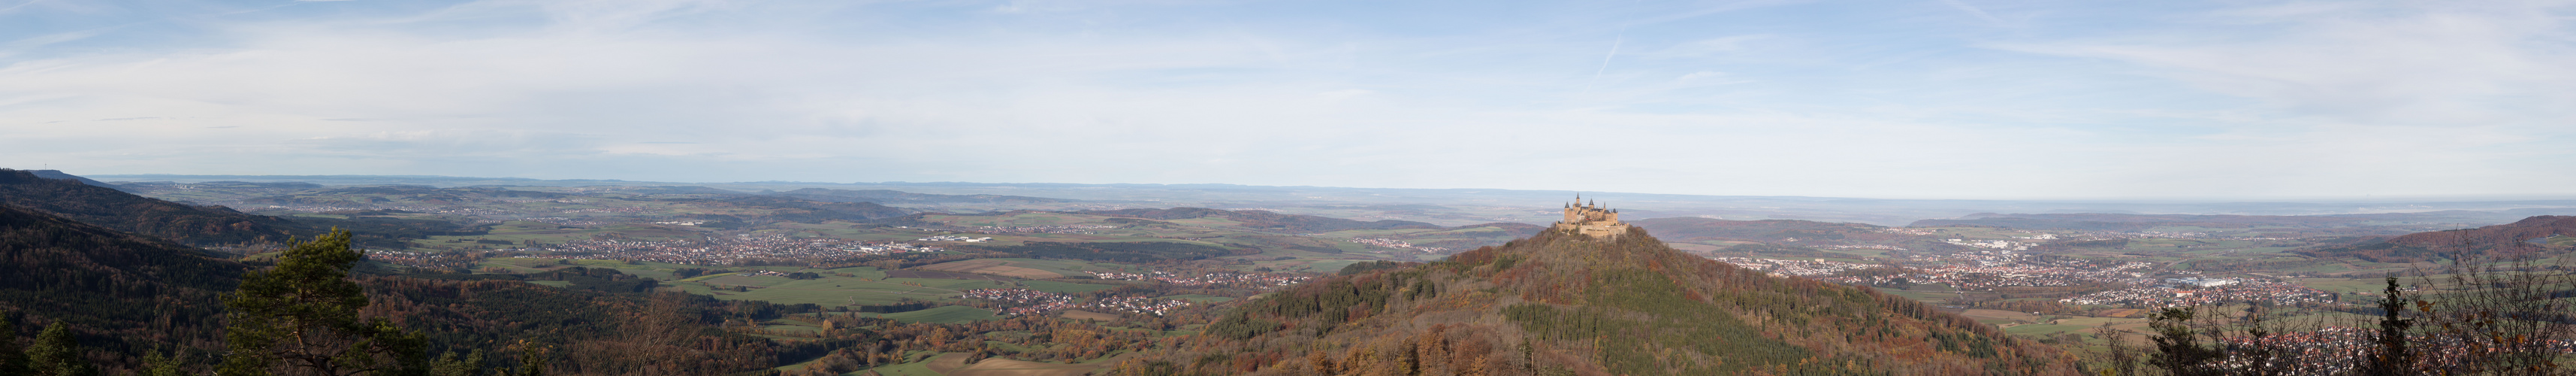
point(954, 364)
point(1007, 367)
point(993, 267)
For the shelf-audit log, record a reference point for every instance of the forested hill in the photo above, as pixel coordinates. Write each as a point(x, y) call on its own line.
point(1264, 220)
point(137, 214)
point(2526, 237)
point(123, 293)
point(57, 174)
point(1562, 303)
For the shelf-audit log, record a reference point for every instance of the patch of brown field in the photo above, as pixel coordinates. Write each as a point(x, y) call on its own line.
point(1089, 315)
point(1007, 367)
point(2000, 314)
point(991, 266)
point(2125, 313)
point(946, 363)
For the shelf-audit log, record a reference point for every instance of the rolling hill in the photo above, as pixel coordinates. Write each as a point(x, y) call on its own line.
point(1563, 303)
point(2505, 240)
point(58, 174)
point(127, 212)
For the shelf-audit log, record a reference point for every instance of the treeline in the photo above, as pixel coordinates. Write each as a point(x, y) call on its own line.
point(390, 232)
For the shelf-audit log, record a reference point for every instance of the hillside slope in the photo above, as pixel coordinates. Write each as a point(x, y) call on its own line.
point(127, 212)
point(2505, 240)
point(58, 174)
point(122, 293)
point(1560, 303)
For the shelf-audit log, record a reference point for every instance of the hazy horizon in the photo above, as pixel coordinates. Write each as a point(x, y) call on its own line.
point(2149, 200)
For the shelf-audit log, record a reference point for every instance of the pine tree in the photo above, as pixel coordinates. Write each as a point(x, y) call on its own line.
point(450, 365)
point(2391, 357)
point(301, 317)
point(55, 353)
point(13, 360)
point(155, 364)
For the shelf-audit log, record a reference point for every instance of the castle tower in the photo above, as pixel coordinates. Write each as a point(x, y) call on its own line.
point(1589, 219)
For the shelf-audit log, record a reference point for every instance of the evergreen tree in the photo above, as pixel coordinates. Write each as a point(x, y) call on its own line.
point(2391, 357)
point(450, 365)
point(155, 364)
point(301, 317)
point(13, 360)
point(56, 354)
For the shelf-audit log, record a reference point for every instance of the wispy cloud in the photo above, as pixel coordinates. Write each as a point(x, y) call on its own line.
point(2267, 99)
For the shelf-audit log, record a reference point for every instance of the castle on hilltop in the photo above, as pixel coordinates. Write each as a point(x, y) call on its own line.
point(1591, 220)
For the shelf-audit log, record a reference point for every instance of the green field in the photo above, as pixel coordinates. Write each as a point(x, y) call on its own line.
point(942, 314)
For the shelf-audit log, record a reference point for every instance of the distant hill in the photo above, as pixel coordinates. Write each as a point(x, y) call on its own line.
point(125, 293)
point(369, 196)
point(1264, 220)
point(884, 196)
point(57, 174)
point(671, 190)
point(127, 212)
point(1773, 230)
point(215, 191)
point(1513, 227)
point(2138, 222)
point(809, 211)
point(1561, 303)
point(2491, 241)
point(2341, 224)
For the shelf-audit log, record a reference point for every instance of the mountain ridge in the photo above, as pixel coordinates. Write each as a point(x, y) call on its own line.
point(126, 212)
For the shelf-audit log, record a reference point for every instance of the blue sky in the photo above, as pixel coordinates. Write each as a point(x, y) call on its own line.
point(1890, 99)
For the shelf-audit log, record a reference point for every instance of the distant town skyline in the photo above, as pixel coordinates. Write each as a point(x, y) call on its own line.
point(1966, 99)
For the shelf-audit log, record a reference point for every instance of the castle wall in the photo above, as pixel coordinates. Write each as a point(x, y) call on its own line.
point(1592, 221)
